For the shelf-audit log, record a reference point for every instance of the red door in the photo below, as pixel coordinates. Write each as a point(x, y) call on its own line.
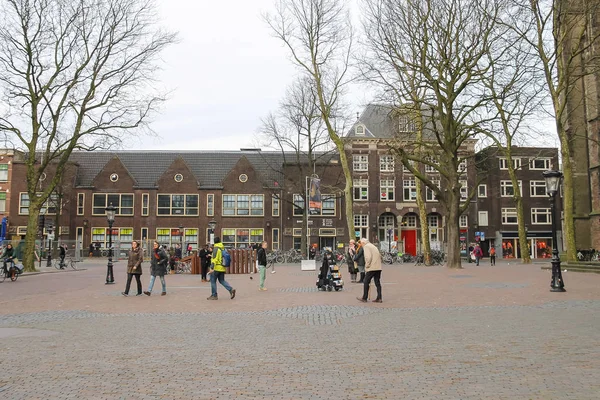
point(410, 242)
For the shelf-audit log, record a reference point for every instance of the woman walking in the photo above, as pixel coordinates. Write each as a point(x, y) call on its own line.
point(134, 268)
point(352, 270)
point(158, 267)
point(360, 261)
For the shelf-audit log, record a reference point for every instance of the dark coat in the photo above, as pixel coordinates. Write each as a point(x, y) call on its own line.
point(360, 257)
point(134, 262)
point(324, 272)
point(262, 257)
point(350, 259)
point(158, 267)
point(204, 257)
point(9, 253)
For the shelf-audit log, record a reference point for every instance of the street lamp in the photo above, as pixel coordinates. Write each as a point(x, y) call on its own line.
point(110, 217)
point(211, 226)
point(552, 184)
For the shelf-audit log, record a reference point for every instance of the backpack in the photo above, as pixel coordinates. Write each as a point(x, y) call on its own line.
point(226, 258)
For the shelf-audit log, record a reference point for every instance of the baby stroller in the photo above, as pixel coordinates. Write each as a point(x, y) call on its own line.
point(330, 277)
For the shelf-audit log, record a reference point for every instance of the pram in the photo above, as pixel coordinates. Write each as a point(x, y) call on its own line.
point(330, 277)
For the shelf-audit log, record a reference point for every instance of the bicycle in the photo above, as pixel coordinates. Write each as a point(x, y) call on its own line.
point(68, 262)
point(13, 272)
point(182, 267)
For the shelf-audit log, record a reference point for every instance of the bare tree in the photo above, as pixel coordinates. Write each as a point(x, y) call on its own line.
point(74, 75)
point(298, 132)
point(318, 35)
point(559, 34)
point(429, 57)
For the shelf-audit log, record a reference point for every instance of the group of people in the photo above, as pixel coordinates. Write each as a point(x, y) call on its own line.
point(476, 253)
point(364, 263)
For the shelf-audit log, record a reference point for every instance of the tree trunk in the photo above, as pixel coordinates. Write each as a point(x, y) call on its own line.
point(453, 206)
point(28, 252)
point(426, 247)
point(525, 256)
point(568, 200)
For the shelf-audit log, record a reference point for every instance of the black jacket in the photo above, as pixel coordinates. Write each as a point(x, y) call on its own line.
point(262, 257)
point(360, 257)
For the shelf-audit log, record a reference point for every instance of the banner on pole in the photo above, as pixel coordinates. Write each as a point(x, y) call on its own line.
point(314, 196)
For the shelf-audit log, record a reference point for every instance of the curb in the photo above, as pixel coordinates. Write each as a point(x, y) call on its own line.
point(51, 272)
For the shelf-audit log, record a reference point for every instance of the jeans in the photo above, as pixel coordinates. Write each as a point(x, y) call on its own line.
point(262, 270)
point(216, 275)
point(138, 281)
point(477, 260)
point(370, 275)
point(162, 280)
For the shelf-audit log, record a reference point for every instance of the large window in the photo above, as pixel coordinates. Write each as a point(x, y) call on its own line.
point(360, 163)
point(298, 205)
point(241, 238)
point(386, 163)
point(3, 172)
point(122, 202)
point(361, 189)
point(431, 168)
point(541, 216)
point(122, 235)
point(406, 124)
point(243, 204)
point(537, 189)
point(275, 206)
point(504, 163)
point(387, 189)
point(509, 216)
point(540, 164)
point(80, 203)
point(507, 190)
point(327, 205)
point(177, 204)
point(430, 194)
point(210, 205)
point(2, 202)
point(48, 208)
point(410, 189)
point(361, 221)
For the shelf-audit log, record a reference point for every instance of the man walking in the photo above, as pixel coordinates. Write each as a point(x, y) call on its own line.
point(372, 268)
point(261, 257)
point(478, 253)
point(217, 271)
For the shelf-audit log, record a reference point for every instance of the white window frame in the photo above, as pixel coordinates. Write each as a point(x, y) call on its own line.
point(406, 124)
point(185, 206)
point(462, 166)
point(409, 189)
point(146, 207)
point(430, 194)
point(119, 206)
point(360, 162)
point(275, 244)
point(409, 221)
point(533, 185)
point(275, 206)
point(509, 213)
point(505, 185)
point(464, 189)
point(387, 163)
point(503, 162)
point(480, 193)
point(80, 203)
point(463, 221)
point(360, 187)
point(387, 189)
point(535, 212)
point(482, 218)
point(361, 131)
point(2, 202)
point(430, 168)
point(4, 172)
point(361, 220)
point(298, 205)
point(236, 209)
point(44, 210)
point(547, 164)
point(210, 205)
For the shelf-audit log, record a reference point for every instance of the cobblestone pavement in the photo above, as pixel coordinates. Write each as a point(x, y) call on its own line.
point(478, 333)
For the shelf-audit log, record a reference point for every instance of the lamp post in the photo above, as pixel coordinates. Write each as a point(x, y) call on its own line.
point(553, 179)
point(211, 226)
point(110, 217)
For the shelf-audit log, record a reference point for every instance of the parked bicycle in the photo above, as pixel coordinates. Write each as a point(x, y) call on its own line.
point(182, 267)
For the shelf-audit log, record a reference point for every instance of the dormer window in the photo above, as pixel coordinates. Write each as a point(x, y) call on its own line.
point(360, 130)
point(406, 124)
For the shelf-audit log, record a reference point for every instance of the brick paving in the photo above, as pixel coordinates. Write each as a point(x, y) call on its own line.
point(477, 333)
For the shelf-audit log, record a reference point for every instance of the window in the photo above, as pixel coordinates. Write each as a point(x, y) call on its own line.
point(275, 239)
point(431, 168)
point(122, 235)
point(540, 163)
point(386, 163)
point(122, 202)
point(144, 233)
point(482, 217)
point(145, 204)
point(48, 208)
point(243, 205)
point(3, 172)
point(210, 205)
point(541, 216)
point(509, 216)
point(360, 163)
point(387, 187)
point(410, 189)
point(482, 190)
point(409, 221)
point(404, 169)
point(430, 194)
point(361, 221)
point(327, 205)
point(241, 238)
point(464, 190)
point(360, 130)
point(537, 189)
point(504, 163)
point(177, 204)
point(507, 190)
point(275, 206)
point(2, 202)
point(298, 205)
point(361, 189)
point(257, 205)
point(80, 203)
point(406, 124)
point(432, 221)
point(462, 166)
point(463, 221)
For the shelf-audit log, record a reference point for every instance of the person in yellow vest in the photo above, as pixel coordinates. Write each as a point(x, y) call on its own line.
point(217, 271)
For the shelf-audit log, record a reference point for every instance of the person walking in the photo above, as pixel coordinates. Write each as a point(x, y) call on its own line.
point(373, 270)
point(134, 268)
point(205, 254)
point(352, 270)
point(62, 254)
point(493, 256)
point(478, 253)
point(261, 257)
point(360, 262)
point(158, 267)
point(217, 271)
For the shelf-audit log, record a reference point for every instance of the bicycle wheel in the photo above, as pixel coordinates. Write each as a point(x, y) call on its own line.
point(13, 274)
point(55, 263)
point(2, 274)
point(71, 263)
